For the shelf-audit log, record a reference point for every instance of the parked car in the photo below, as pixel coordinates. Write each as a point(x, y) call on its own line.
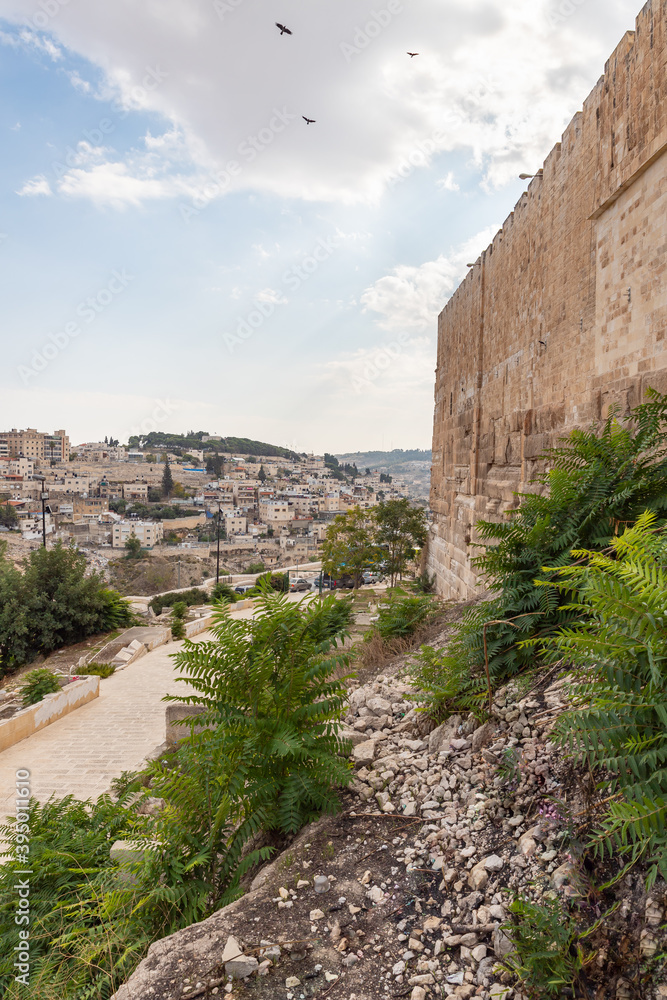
point(369, 577)
point(299, 585)
point(243, 588)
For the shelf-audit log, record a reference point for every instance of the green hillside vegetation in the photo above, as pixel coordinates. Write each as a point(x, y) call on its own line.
point(160, 441)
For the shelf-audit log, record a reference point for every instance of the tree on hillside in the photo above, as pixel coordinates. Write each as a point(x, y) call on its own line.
point(349, 546)
point(52, 603)
point(133, 548)
point(8, 517)
point(167, 480)
point(401, 528)
point(261, 475)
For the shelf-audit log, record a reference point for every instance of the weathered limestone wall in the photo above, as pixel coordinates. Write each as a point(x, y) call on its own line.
point(565, 313)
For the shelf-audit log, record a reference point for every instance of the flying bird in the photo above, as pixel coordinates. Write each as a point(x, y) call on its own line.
point(283, 29)
point(308, 121)
point(413, 54)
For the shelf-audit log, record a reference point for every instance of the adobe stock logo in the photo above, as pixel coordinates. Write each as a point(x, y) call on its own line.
point(364, 35)
point(87, 310)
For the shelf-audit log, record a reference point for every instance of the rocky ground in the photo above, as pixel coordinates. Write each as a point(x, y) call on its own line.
point(404, 893)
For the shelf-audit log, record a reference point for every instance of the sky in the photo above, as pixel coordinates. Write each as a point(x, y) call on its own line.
point(180, 250)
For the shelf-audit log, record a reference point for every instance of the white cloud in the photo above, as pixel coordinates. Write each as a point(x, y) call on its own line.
point(27, 39)
point(411, 297)
point(79, 83)
point(447, 183)
point(273, 296)
point(35, 186)
point(493, 79)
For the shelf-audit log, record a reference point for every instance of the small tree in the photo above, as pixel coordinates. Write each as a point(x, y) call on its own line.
point(133, 548)
point(400, 529)
point(167, 480)
point(8, 518)
point(349, 546)
point(261, 475)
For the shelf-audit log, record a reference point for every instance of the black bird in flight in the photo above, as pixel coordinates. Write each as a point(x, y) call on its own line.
point(283, 29)
point(413, 54)
point(308, 121)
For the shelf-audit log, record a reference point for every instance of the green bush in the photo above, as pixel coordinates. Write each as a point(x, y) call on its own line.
point(223, 592)
point(53, 603)
point(402, 616)
point(177, 629)
point(80, 947)
point(424, 584)
point(618, 648)
point(191, 597)
point(179, 609)
point(267, 684)
point(38, 683)
point(548, 956)
point(597, 481)
point(276, 581)
point(257, 567)
point(99, 669)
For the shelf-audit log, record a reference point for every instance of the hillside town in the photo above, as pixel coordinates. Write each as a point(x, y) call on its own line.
point(271, 510)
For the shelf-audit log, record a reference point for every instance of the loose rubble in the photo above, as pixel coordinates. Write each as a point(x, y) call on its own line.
point(405, 893)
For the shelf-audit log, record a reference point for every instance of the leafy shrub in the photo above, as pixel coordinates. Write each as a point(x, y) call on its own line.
point(77, 947)
point(90, 924)
point(177, 629)
point(38, 683)
point(53, 603)
point(116, 611)
point(223, 592)
point(191, 597)
point(424, 584)
point(267, 684)
point(257, 567)
point(179, 610)
point(402, 616)
point(598, 480)
point(548, 957)
point(99, 669)
point(618, 647)
point(276, 581)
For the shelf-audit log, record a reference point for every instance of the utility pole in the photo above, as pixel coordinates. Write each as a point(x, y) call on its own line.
point(45, 497)
point(217, 564)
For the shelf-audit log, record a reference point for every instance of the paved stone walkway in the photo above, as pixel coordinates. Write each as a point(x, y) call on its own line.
point(81, 753)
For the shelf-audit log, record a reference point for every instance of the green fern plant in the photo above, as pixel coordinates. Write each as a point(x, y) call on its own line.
point(268, 687)
point(618, 647)
point(598, 480)
point(402, 616)
point(548, 957)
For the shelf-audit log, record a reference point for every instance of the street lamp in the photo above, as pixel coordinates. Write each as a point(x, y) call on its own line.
point(44, 497)
point(217, 565)
point(527, 177)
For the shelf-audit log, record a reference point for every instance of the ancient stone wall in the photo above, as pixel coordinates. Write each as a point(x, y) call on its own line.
point(565, 313)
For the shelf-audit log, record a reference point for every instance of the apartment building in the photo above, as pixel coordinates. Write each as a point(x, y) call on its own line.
point(149, 533)
point(35, 445)
point(135, 491)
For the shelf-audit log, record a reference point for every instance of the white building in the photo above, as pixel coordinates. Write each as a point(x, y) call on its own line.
point(149, 533)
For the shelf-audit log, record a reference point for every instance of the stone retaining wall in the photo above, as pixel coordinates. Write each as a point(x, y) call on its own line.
point(51, 708)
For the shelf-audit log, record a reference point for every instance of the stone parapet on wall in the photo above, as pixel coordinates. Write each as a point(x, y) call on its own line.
point(51, 708)
point(564, 314)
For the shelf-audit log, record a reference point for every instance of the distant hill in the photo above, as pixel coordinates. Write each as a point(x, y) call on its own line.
point(182, 443)
point(385, 459)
